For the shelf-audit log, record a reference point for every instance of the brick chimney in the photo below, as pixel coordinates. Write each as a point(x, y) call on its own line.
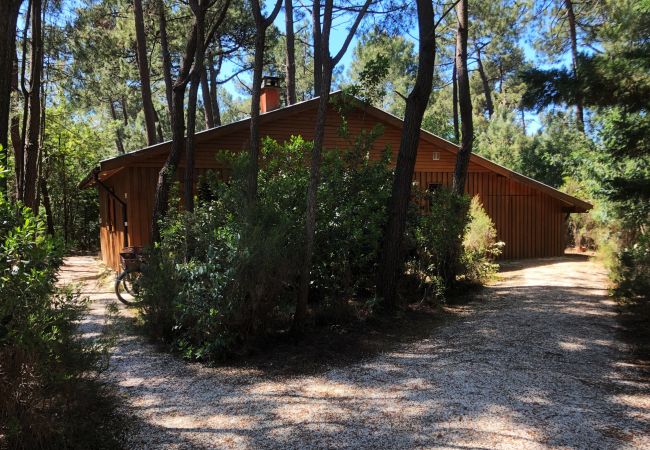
point(270, 95)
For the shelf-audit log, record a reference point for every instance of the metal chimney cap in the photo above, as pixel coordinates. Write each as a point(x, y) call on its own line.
point(269, 81)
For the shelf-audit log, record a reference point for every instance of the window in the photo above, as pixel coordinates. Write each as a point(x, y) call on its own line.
point(436, 156)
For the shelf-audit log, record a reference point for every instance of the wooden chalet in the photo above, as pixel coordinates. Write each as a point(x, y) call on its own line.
point(530, 217)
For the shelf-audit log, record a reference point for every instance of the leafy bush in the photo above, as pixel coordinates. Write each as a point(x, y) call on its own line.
point(437, 236)
point(225, 275)
point(222, 273)
point(43, 363)
point(353, 200)
point(454, 240)
point(480, 245)
point(633, 270)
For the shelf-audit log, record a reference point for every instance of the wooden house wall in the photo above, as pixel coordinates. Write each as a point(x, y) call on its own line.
point(111, 225)
point(530, 222)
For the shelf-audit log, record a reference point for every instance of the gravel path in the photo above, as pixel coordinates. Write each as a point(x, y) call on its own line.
point(534, 363)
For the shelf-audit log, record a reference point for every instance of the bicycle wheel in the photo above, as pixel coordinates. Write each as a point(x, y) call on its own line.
point(127, 287)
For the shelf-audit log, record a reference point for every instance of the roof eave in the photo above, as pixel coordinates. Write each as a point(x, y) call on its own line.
point(110, 164)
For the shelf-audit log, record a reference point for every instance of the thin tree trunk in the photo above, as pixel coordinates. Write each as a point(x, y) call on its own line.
point(464, 100)
point(9, 10)
point(34, 126)
point(25, 94)
point(125, 112)
point(143, 69)
point(261, 24)
point(310, 221)
point(489, 105)
point(196, 40)
point(168, 171)
point(254, 148)
point(391, 257)
point(189, 142)
point(17, 140)
point(66, 209)
point(43, 119)
point(195, 79)
point(118, 134)
point(568, 4)
point(166, 57)
point(207, 99)
point(318, 51)
point(161, 136)
point(45, 194)
point(291, 52)
point(214, 95)
point(327, 67)
point(454, 101)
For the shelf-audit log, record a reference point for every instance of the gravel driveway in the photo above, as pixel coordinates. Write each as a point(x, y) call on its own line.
point(535, 362)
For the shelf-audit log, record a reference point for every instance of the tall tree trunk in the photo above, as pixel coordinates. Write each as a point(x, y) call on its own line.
point(32, 140)
point(318, 51)
point(189, 142)
point(254, 149)
point(118, 134)
point(327, 68)
point(25, 94)
point(195, 79)
point(125, 111)
point(214, 95)
point(66, 207)
point(464, 100)
point(454, 101)
point(197, 40)
point(168, 171)
point(161, 136)
point(207, 99)
point(489, 105)
point(9, 10)
point(391, 257)
point(166, 57)
point(143, 69)
point(45, 194)
point(17, 139)
point(568, 4)
point(261, 24)
point(291, 52)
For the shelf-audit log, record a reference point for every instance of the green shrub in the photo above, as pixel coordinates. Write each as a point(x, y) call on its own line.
point(44, 365)
point(632, 273)
point(353, 200)
point(454, 240)
point(480, 245)
point(437, 236)
point(224, 275)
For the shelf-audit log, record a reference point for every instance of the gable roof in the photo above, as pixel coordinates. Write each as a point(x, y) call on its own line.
point(110, 166)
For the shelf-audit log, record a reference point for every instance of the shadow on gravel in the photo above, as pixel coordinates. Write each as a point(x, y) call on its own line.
point(542, 364)
point(535, 364)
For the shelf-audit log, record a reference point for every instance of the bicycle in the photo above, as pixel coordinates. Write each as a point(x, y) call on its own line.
point(127, 282)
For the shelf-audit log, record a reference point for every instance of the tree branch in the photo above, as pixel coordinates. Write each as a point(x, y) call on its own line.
point(351, 33)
